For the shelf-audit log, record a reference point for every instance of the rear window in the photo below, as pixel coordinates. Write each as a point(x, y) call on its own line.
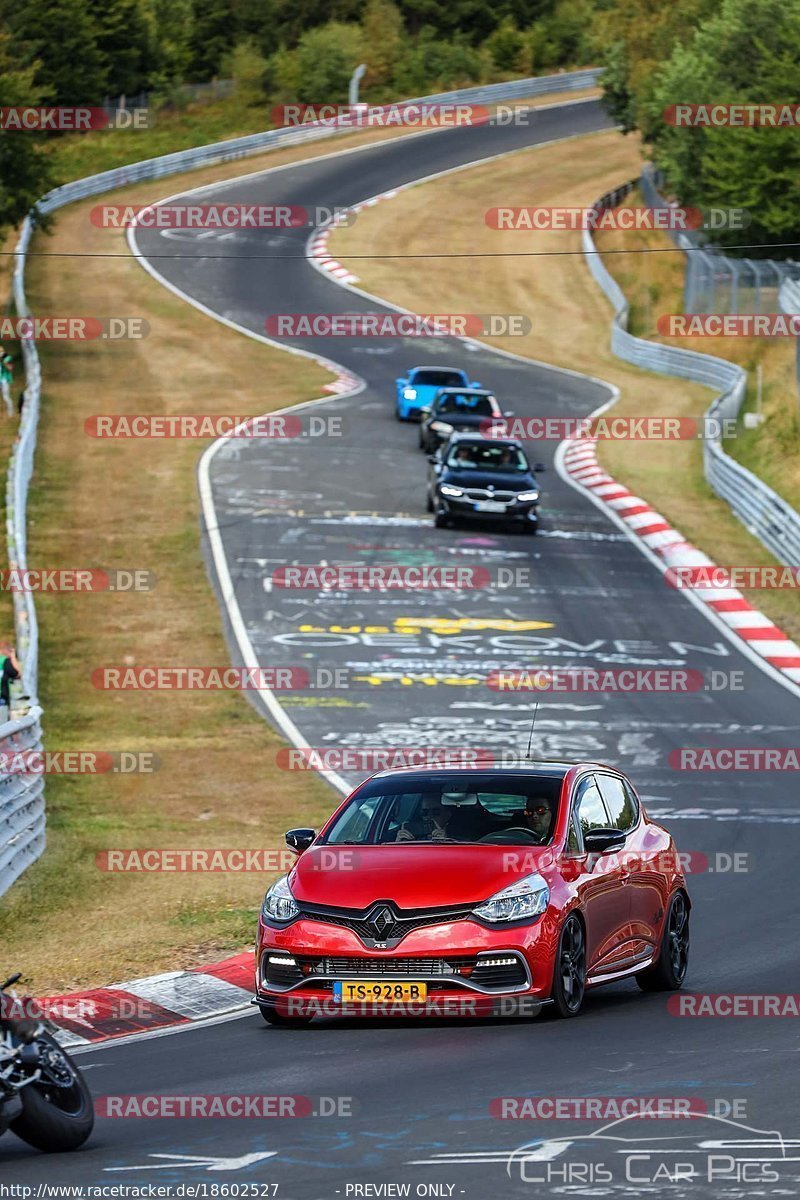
point(439, 378)
point(480, 406)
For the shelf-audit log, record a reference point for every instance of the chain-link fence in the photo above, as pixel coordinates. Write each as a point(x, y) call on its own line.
point(716, 282)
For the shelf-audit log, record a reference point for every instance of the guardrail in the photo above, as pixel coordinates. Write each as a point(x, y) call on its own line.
point(22, 832)
point(20, 846)
point(763, 513)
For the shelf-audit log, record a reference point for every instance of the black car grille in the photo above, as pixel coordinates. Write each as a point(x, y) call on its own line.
point(478, 494)
point(403, 921)
point(340, 966)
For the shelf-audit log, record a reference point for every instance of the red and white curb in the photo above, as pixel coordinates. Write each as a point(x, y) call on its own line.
point(729, 606)
point(155, 1002)
point(318, 245)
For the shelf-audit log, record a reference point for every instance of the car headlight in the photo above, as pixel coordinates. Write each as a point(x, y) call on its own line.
point(279, 903)
point(409, 393)
point(441, 427)
point(527, 495)
point(526, 898)
point(447, 489)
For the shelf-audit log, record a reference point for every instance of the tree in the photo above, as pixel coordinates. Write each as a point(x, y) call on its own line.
point(384, 41)
point(125, 34)
point(213, 35)
point(60, 37)
point(318, 70)
point(25, 171)
point(745, 54)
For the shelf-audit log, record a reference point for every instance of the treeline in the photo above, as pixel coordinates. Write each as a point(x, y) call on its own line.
point(83, 52)
point(702, 53)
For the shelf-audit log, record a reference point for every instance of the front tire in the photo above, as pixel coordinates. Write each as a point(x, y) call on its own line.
point(569, 974)
point(669, 971)
point(55, 1118)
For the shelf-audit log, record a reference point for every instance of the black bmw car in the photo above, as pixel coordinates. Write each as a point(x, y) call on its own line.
point(457, 410)
point(483, 478)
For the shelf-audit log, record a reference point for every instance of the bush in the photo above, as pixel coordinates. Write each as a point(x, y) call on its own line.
point(431, 65)
point(247, 67)
point(318, 70)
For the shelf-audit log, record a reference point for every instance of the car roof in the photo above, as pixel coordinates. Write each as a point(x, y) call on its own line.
point(476, 438)
point(438, 367)
point(522, 767)
point(471, 391)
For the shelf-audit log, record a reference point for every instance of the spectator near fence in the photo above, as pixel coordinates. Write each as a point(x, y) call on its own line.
point(10, 670)
point(6, 375)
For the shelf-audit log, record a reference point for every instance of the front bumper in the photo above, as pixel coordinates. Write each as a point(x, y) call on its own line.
point(465, 510)
point(455, 961)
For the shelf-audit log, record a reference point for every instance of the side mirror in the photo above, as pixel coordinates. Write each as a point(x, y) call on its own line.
point(433, 458)
point(603, 841)
point(473, 384)
point(300, 839)
point(508, 413)
point(539, 468)
point(425, 412)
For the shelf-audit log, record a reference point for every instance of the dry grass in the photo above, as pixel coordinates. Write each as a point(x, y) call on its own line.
point(570, 317)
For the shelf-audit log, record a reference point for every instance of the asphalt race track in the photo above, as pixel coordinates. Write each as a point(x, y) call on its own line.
point(421, 1092)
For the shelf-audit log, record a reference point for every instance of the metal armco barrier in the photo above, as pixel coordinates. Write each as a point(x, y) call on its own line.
point(762, 511)
point(22, 836)
point(22, 820)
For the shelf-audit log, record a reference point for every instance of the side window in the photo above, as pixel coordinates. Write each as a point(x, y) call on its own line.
point(620, 801)
point(589, 806)
point(573, 841)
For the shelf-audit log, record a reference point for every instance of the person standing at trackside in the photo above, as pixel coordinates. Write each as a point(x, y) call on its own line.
point(6, 376)
point(11, 670)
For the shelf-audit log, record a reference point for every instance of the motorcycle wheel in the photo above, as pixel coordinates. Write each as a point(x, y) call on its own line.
point(56, 1115)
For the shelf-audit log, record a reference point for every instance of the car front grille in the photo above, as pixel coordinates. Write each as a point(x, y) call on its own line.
point(404, 921)
point(341, 966)
point(478, 494)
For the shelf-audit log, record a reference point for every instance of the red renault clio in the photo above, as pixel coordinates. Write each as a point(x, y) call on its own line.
point(466, 892)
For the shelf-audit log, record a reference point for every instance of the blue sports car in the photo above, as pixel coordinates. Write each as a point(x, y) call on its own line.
point(417, 388)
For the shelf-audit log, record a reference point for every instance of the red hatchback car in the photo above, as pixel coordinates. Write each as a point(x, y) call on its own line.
point(462, 892)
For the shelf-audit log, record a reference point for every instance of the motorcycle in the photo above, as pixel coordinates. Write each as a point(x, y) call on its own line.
point(43, 1097)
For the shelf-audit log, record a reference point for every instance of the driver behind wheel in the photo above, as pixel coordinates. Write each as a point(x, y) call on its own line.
point(537, 816)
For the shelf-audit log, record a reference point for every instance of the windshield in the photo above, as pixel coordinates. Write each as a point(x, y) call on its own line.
point(454, 402)
point(477, 809)
point(439, 378)
point(487, 457)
